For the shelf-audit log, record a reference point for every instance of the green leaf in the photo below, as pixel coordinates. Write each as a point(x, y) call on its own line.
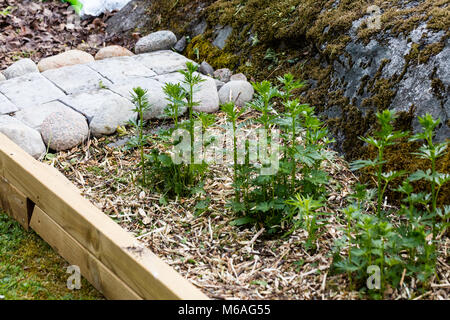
point(360, 164)
point(419, 175)
point(262, 206)
point(242, 221)
point(165, 160)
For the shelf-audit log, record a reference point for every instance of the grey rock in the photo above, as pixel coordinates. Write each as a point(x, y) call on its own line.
point(414, 88)
point(181, 45)
point(155, 94)
point(75, 79)
point(119, 143)
point(333, 112)
point(163, 62)
point(223, 75)
point(30, 90)
point(221, 36)
point(25, 137)
point(104, 109)
point(238, 77)
point(199, 28)
point(219, 84)
point(207, 96)
point(174, 77)
point(63, 130)
point(206, 69)
point(121, 69)
point(2, 77)
point(34, 117)
point(132, 17)
point(160, 40)
point(443, 66)
point(6, 106)
point(240, 91)
point(20, 68)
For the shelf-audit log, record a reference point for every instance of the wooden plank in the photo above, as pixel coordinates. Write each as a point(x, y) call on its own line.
point(67, 247)
point(120, 252)
point(14, 203)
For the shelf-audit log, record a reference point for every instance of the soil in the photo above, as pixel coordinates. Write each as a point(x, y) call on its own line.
point(35, 30)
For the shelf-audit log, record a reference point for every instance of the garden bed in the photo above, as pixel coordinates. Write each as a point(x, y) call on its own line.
point(225, 261)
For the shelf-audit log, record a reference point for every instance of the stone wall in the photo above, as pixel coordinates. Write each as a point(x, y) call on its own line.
point(353, 68)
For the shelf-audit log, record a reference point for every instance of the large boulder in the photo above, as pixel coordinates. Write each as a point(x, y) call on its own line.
point(68, 58)
point(358, 59)
point(20, 68)
point(63, 130)
point(406, 72)
point(25, 137)
point(160, 40)
point(131, 17)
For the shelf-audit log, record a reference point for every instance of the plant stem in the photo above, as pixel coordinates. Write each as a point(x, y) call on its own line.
point(191, 128)
point(141, 138)
point(379, 173)
point(235, 156)
point(293, 173)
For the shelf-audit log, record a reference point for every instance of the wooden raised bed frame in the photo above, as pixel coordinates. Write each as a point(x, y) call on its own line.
point(113, 261)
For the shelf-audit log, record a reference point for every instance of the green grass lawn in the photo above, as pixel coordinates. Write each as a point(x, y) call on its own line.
point(30, 269)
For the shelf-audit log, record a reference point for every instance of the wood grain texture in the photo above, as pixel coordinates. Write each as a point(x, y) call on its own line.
point(117, 250)
point(14, 203)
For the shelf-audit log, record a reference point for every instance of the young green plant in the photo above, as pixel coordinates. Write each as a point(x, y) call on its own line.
point(140, 100)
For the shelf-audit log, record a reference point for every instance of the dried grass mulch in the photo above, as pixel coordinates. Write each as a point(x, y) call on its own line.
point(224, 261)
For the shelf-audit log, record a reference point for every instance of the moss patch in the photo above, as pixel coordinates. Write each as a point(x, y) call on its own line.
point(202, 50)
point(31, 270)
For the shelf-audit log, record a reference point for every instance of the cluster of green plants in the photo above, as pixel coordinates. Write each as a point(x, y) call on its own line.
point(262, 197)
point(266, 199)
point(402, 244)
point(160, 169)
